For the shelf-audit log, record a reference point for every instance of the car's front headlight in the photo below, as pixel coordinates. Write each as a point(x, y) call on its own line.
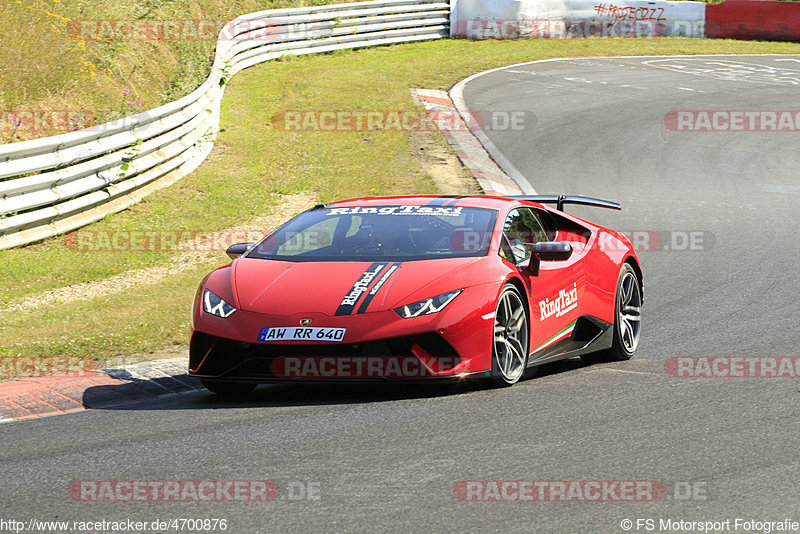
point(216, 306)
point(427, 306)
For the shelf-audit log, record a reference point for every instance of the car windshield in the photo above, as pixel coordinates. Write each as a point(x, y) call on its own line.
point(397, 233)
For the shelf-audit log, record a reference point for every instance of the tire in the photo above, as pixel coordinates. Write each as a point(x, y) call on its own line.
point(228, 389)
point(627, 320)
point(510, 338)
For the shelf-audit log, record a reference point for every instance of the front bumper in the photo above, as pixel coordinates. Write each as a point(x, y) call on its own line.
point(453, 343)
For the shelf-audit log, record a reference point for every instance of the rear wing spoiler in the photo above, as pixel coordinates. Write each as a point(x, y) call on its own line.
point(561, 200)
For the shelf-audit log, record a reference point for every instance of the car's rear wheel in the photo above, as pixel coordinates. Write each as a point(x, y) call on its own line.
point(510, 344)
point(228, 389)
point(627, 320)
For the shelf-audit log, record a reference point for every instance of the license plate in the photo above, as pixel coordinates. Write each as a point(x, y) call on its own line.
point(301, 333)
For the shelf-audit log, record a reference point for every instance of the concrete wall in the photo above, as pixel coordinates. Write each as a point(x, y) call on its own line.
point(563, 19)
point(747, 19)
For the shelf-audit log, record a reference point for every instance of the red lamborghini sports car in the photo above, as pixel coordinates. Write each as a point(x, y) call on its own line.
point(418, 288)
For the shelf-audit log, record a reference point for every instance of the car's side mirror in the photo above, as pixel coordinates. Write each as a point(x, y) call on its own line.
point(234, 251)
point(552, 250)
point(547, 251)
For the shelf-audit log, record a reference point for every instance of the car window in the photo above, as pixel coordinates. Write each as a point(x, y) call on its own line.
point(317, 236)
point(398, 233)
point(355, 224)
point(548, 223)
point(521, 229)
point(505, 250)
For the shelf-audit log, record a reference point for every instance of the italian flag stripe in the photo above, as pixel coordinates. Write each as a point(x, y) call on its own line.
point(558, 337)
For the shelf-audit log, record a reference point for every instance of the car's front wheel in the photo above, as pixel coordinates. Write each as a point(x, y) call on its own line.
point(228, 389)
point(510, 344)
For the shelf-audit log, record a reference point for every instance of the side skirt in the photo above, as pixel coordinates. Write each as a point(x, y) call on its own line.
point(586, 334)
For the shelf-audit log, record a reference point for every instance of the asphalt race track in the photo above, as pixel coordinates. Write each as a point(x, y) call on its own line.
point(717, 215)
point(600, 131)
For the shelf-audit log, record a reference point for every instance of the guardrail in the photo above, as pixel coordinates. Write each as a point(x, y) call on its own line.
point(52, 185)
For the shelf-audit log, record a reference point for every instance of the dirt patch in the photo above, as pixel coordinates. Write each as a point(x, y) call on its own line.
point(442, 165)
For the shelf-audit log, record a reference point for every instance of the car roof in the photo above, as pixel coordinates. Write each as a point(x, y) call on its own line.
point(468, 201)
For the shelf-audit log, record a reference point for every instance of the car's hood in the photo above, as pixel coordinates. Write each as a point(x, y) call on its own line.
point(342, 288)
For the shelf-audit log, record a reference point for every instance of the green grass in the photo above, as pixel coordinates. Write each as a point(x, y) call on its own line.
point(48, 65)
point(124, 323)
point(252, 160)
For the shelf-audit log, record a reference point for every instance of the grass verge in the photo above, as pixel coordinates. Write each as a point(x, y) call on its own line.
point(87, 64)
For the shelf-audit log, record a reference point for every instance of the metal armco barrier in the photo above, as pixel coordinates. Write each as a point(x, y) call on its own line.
point(52, 185)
